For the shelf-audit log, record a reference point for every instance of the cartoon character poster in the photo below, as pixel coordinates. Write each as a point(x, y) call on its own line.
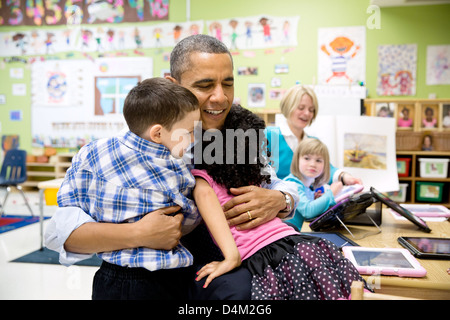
point(397, 66)
point(438, 65)
point(341, 55)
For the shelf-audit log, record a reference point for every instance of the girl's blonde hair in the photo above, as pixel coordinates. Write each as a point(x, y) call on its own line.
point(311, 146)
point(292, 98)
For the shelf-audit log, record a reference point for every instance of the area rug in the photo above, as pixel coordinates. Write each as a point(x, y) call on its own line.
point(12, 222)
point(46, 256)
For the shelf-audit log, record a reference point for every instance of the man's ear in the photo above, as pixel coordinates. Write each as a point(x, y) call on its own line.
point(171, 79)
point(154, 132)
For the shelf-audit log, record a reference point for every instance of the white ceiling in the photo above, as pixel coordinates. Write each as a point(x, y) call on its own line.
point(400, 3)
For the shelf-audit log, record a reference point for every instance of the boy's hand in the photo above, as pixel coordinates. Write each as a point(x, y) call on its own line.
point(217, 268)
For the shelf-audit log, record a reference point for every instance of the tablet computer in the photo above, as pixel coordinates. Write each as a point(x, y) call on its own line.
point(427, 248)
point(347, 191)
point(401, 210)
point(342, 211)
point(384, 261)
point(335, 237)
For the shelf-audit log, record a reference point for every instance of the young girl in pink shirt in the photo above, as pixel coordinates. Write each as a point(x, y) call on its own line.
point(285, 264)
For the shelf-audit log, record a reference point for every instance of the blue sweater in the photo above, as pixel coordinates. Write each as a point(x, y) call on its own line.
point(308, 207)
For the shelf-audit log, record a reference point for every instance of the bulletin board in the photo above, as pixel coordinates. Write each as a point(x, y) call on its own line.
point(77, 101)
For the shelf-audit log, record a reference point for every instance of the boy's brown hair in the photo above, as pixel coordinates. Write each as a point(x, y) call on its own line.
point(157, 101)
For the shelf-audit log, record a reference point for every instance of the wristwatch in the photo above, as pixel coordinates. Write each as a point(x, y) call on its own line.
point(288, 202)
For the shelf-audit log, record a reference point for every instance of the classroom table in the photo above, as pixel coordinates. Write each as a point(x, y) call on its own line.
point(42, 186)
point(434, 286)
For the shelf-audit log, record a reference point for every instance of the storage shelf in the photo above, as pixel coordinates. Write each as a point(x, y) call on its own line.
point(414, 175)
point(56, 168)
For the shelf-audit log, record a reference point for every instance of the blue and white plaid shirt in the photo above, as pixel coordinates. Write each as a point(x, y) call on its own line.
point(121, 179)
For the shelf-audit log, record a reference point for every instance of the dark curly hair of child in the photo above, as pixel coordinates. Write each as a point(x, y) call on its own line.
point(238, 133)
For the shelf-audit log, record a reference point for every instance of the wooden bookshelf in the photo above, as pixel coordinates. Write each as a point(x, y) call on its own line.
point(55, 168)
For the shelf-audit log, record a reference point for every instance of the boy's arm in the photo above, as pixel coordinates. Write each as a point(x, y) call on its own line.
point(212, 213)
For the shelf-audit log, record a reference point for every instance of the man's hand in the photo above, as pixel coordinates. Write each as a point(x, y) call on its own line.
point(159, 229)
point(253, 206)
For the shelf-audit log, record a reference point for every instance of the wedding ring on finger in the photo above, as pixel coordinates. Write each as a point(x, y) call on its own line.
point(249, 215)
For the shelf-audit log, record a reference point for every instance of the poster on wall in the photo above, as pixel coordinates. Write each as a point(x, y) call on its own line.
point(255, 32)
point(58, 84)
point(397, 66)
point(95, 39)
point(362, 146)
point(366, 149)
point(438, 65)
point(62, 12)
point(341, 55)
point(93, 109)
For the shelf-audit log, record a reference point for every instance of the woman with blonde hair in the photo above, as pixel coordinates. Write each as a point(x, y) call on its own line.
point(300, 107)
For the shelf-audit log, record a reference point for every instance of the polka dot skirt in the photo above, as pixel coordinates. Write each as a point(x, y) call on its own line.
point(314, 270)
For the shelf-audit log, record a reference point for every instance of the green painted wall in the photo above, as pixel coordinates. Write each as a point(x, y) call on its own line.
point(423, 25)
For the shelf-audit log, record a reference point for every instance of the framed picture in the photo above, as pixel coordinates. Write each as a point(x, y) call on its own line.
point(446, 116)
point(384, 109)
point(405, 115)
point(429, 115)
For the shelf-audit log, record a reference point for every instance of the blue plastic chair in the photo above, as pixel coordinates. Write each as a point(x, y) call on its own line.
point(14, 172)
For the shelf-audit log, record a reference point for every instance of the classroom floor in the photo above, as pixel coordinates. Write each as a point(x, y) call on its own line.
point(29, 281)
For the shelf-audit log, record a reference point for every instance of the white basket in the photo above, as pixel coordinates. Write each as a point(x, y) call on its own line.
point(400, 195)
point(433, 167)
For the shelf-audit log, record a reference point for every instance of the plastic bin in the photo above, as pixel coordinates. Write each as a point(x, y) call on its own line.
point(400, 195)
point(429, 191)
point(433, 167)
point(403, 165)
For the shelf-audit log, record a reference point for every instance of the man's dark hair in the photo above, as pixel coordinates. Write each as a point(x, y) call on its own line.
point(180, 56)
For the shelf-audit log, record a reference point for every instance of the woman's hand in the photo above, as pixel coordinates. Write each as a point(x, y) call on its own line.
point(253, 206)
point(349, 180)
point(336, 187)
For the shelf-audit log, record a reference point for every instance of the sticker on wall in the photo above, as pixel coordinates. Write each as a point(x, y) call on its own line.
point(16, 73)
point(281, 68)
point(19, 89)
point(341, 55)
point(247, 71)
point(276, 94)
point(397, 70)
point(15, 115)
point(256, 95)
point(438, 65)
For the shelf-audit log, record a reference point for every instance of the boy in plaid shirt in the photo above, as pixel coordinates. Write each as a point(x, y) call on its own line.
point(121, 179)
